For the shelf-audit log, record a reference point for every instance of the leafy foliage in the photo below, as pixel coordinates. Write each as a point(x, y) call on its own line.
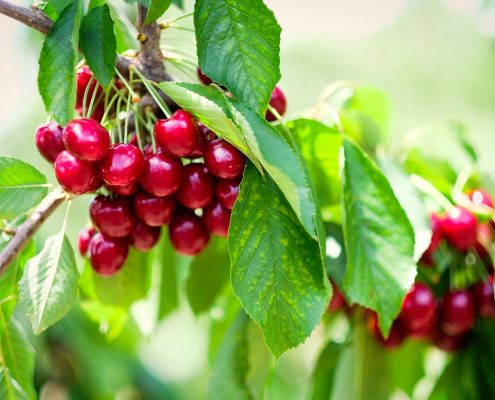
point(156, 9)
point(324, 373)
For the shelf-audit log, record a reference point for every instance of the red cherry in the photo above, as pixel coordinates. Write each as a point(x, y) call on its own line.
point(198, 188)
point(418, 313)
point(449, 343)
point(188, 234)
point(338, 301)
point(459, 227)
point(127, 190)
point(83, 77)
point(76, 176)
point(278, 102)
point(122, 165)
point(107, 255)
point(203, 78)
point(485, 298)
point(227, 192)
point(205, 135)
point(217, 218)
point(178, 135)
point(144, 237)
point(162, 174)
point(114, 218)
point(152, 210)
point(83, 240)
point(97, 112)
point(457, 312)
point(395, 337)
point(436, 238)
point(49, 140)
point(86, 139)
point(224, 160)
point(481, 197)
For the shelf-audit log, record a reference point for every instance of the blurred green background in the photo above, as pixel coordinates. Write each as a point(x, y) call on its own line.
point(435, 59)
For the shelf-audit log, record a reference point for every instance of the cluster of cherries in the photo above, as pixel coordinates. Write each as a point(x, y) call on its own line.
point(446, 320)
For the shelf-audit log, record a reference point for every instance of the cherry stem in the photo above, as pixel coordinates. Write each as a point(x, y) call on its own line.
point(85, 97)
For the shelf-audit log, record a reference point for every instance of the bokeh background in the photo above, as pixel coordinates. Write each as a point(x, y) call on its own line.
point(435, 59)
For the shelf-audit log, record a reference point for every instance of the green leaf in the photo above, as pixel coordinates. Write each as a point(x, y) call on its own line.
point(156, 9)
point(22, 187)
point(231, 364)
point(379, 239)
point(9, 388)
point(324, 373)
point(238, 46)
point(208, 274)
point(99, 44)
point(275, 269)
point(53, 8)
point(179, 3)
point(57, 64)
point(125, 31)
point(48, 287)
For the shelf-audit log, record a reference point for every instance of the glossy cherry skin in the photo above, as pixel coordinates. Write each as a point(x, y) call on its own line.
point(177, 135)
point(83, 240)
point(97, 112)
point(198, 187)
point(457, 312)
point(127, 190)
point(83, 77)
point(114, 218)
point(217, 218)
point(278, 102)
point(107, 255)
point(187, 234)
point(162, 174)
point(227, 191)
point(436, 238)
point(449, 343)
point(144, 237)
point(49, 140)
point(418, 313)
point(459, 226)
point(203, 78)
point(76, 176)
point(122, 165)
point(224, 160)
point(484, 298)
point(86, 139)
point(481, 197)
point(152, 210)
point(395, 337)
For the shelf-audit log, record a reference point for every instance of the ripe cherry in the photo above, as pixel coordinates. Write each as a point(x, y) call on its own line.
point(227, 192)
point(198, 188)
point(449, 343)
point(217, 218)
point(122, 165)
point(485, 298)
point(152, 210)
point(83, 77)
point(114, 218)
point(107, 255)
point(162, 174)
point(203, 78)
point(178, 135)
point(144, 237)
point(418, 313)
point(76, 176)
point(395, 337)
point(459, 227)
point(481, 197)
point(188, 234)
point(84, 239)
point(436, 238)
point(457, 312)
point(127, 190)
point(86, 139)
point(49, 140)
point(148, 150)
point(224, 160)
point(96, 114)
point(278, 102)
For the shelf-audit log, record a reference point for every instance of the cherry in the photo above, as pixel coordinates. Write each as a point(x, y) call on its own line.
point(198, 188)
point(148, 150)
point(484, 242)
point(114, 218)
point(127, 190)
point(217, 218)
point(205, 135)
point(278, 102)
point(459, 227)
point(86, 139)
point(162, 174)
point(481, 197)
point(49, 140)
point(338, 301)
point(457, 312)
point(227, 192)
point(188, 234)
point(144, 237)
point(178, 135)
point(122, 165)
point(418, 313)
point(76, 176)
point(396, 335)
point(152, 210)
point(436, 238)
point(107, 255)
point(224, 160)
point(203, 78)
point(449, 343)
point(485, 298)
point(83, 77)
point(97, 112)
point(84, 239)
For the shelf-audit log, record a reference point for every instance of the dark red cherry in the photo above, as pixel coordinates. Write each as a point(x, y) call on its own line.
point(436, 238)
point(49, 140)
point(481, 197)
point(457, 312)
point(224, 160)
point(86, 139)
point(122, 165)
point(188, 234)
point(418, 313)
point(338, 301)
point(227, 192)
point(152, 210)
point(76, 176)
point(449, 343)
point(107, 255)
point(484, 298)
point(83, 77)
point(148, 150)
point(459, 226)
point(97, 112)
point(217, 218)
point(278, 102)
point(162, 174)
point(395, 337)
point(144, 237)
point(198, 187)
point(205, 135)
point(83, 240)
point(127, 190)
point(203, 78)
point(114, 218)
point(178, 135)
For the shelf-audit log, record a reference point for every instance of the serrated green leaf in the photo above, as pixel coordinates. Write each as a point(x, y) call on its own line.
point(156, 9)
point(275, 269)
point(22, 187)
point(57, 64)
point(379, 239)
point(322, 379)
point(238, 45)
point(98, 43)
